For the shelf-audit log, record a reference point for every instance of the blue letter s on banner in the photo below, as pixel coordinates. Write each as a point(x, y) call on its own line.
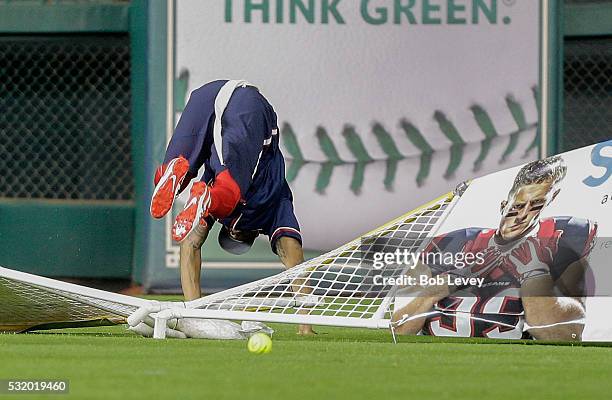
point(600, 160)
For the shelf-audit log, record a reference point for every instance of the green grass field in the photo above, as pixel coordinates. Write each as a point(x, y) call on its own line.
point(110, 362)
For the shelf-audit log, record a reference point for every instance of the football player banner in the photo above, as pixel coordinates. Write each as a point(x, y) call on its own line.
point(525, 252)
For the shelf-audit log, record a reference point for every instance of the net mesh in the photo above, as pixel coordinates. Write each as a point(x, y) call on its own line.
point(27, 306)
point(342, 283)
point(587, 112)
point(65, 117)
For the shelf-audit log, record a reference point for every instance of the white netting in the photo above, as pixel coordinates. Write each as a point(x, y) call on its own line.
point(336, 288)
point(26, 305)
point(338, 284)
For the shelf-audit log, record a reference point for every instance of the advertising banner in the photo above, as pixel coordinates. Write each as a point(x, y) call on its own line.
point(382, 105)
point(524, 248)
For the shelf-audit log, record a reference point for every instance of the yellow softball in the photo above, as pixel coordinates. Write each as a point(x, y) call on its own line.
point(259, 343)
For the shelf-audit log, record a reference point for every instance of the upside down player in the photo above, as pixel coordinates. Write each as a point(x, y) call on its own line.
point(533, 270)
point(230, 129)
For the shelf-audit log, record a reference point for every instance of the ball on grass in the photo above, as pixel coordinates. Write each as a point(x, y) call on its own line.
point(259, 343)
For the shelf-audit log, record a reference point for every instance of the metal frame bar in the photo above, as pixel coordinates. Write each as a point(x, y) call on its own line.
point(149, 35)
point(551, 76)
point(72, 288)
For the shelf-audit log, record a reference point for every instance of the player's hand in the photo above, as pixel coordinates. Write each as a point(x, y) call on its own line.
point(195, 212)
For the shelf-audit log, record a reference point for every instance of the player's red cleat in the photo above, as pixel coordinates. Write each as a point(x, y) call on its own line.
point(168, 181)
point(194, 213)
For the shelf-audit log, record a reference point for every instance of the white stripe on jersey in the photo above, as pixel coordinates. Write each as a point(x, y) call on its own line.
point(221, 102)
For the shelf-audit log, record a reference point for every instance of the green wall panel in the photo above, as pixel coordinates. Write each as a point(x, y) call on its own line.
point(69, 239)
point(588, 19)
point(66, 238)
point(37, 17)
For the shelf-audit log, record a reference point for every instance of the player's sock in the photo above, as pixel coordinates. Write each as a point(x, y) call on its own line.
point(194, 213)
point(168, 181)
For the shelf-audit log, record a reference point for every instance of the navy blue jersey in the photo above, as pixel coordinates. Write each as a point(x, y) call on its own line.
point(250, 151)
point(250, 142)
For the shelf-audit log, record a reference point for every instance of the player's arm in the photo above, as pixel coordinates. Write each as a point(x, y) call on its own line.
point(552, 287)
point(550, 316)
point(413, 303)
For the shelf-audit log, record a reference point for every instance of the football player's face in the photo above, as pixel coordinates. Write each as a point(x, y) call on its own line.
point(522, 210)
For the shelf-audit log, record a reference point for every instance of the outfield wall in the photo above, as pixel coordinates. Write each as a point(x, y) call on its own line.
point(376, 104)
point(66, 186)
point(378, 153)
